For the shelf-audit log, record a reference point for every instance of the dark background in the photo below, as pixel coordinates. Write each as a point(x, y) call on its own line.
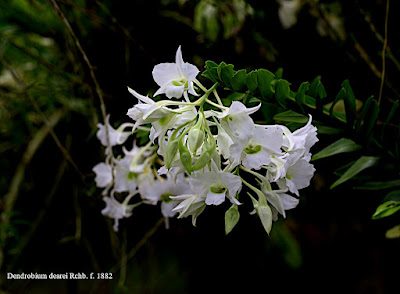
point(328, 244)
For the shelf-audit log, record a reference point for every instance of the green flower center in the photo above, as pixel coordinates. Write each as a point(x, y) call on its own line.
point(165, 197)
point(250, 149)
point(132, 176)
point(180, 83)
point(218, 190)
point(166, 119)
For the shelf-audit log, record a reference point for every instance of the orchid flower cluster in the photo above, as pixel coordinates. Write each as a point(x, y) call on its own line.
point(199, 153)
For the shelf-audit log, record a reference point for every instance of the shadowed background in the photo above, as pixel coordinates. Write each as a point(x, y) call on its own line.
point(49, 108)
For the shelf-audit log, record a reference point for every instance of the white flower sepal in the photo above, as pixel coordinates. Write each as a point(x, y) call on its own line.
point(298, 174)
point(116, 210)
point(237, 121)
point(191, 204)
point(146, 111)
point(116, 136)
point(128, 168)
point(103, 173)
point(175, 78)
point(300, 140)
point(163, 190)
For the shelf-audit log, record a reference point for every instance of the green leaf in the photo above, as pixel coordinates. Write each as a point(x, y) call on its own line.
point(349, 103)
point(282, 92)
point(310, 101)
point(378, 185)
point(321, 94)
point(251, 81)
point(254, 100)
point(313, 91)
point(212, 74)
point(291, 116)
point(340, 96)
point(340, 146)
point(288, 245)
point(392, 196)
point(321, 91)
point(232, 216)
point(219, 70)
point(264, 79)
point(386, 209)
point(269, 110)
point(393, 233)
point(227, 73)
point(279, 73)
point(368, 117)
point(300, 95)
point(210, 64)
point(390, 116)
point(361, 164)
point(235, 96)
point(321, 129)
point(208, 75)
point(238, 80)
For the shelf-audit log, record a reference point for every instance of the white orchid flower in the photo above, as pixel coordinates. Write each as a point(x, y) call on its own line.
point(103, 173)
point(175, 78)
point(128, 168)
point(216, 185)
point(115, 136)
point(116, 210)
point(288, 11)
point(257, 150)
point(162, 190)
point(191, 204)
point(298, 174)
point(146, 111)
point(237, 122)
point(170, 121)
point(300, 140)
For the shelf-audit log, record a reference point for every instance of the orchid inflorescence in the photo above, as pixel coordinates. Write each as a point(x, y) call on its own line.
point(199, 153)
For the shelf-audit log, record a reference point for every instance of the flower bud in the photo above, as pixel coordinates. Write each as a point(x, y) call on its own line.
point(264, 212)
point(186, 157)
point(206, 154)
point(232, 216)
point(195, 139)
point(170, 152)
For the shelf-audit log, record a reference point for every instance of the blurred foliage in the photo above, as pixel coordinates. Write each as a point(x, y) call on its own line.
point(50, 224)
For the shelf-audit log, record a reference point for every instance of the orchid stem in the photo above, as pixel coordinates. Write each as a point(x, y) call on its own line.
point(217, 97)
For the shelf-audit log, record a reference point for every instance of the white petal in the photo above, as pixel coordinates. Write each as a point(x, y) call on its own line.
point(103, 174)
point(255, 161)
point(301, 173)
point(190, 71)
point(167, 208)
point(288, 202)
point(215, 198)
point(174, 91)
point(164, 73)
point(179, 61)
point(224, 142)
point(141, 98)
point(270, 138)
point(232, 182)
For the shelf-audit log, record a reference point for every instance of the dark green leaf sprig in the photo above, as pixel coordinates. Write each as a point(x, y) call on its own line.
point(374, 137)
